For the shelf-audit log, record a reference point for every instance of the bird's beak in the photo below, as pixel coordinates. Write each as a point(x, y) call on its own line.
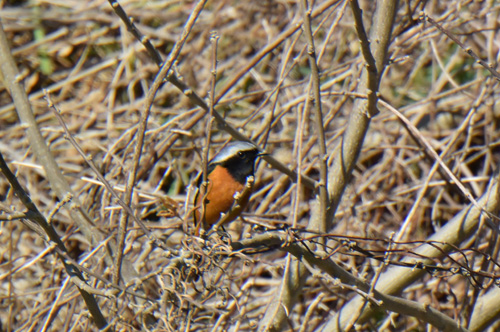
point(262, 154)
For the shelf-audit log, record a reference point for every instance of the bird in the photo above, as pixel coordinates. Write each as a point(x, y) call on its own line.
point(228, 172)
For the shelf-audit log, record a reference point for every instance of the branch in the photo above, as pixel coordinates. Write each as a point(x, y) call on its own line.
point(382, 301)
point(457, 230)
point(164, 70)
point(323, 167)
point(359, 119)
point(468, 50)
point(72, 270)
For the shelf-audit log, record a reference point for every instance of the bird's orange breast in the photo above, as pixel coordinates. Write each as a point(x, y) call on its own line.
point(221, 189)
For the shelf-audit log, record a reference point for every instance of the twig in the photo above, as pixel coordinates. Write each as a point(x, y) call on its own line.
point(468, 50)
point(295, 272)
point(372, 81)
point(153, 52)
point(360, 117)
point(203, 186)
point(323, 168)
point(163, 72)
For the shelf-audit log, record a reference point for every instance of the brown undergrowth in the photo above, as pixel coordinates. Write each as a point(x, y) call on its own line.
point(99, 76)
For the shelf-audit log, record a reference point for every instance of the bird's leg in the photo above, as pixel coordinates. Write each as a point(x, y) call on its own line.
point(224, 234)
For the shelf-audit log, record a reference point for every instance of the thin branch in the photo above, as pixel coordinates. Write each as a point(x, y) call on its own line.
point(360, 117)
point(468, 50)
point(163, 72)
point(372, 81)
point(153, 52)
point(323, 167)
point(202, 190)
point(294, 276)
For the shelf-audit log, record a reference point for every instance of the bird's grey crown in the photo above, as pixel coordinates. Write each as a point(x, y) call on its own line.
point(231, 150)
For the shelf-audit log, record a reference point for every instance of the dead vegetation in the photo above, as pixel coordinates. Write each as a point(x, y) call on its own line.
point(400, 224)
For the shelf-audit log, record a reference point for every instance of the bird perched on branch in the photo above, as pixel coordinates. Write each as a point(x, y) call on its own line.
point(230, 182)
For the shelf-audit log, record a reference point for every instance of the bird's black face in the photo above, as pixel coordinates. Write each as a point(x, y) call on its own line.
point(241, 165)
point(238, 158)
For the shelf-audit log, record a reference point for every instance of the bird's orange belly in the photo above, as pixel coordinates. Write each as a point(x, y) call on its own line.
point(221, 190)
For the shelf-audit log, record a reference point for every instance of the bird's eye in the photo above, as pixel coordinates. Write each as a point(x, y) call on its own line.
point(241, 154)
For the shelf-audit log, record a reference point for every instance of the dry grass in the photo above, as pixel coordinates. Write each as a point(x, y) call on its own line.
point(98, 75)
